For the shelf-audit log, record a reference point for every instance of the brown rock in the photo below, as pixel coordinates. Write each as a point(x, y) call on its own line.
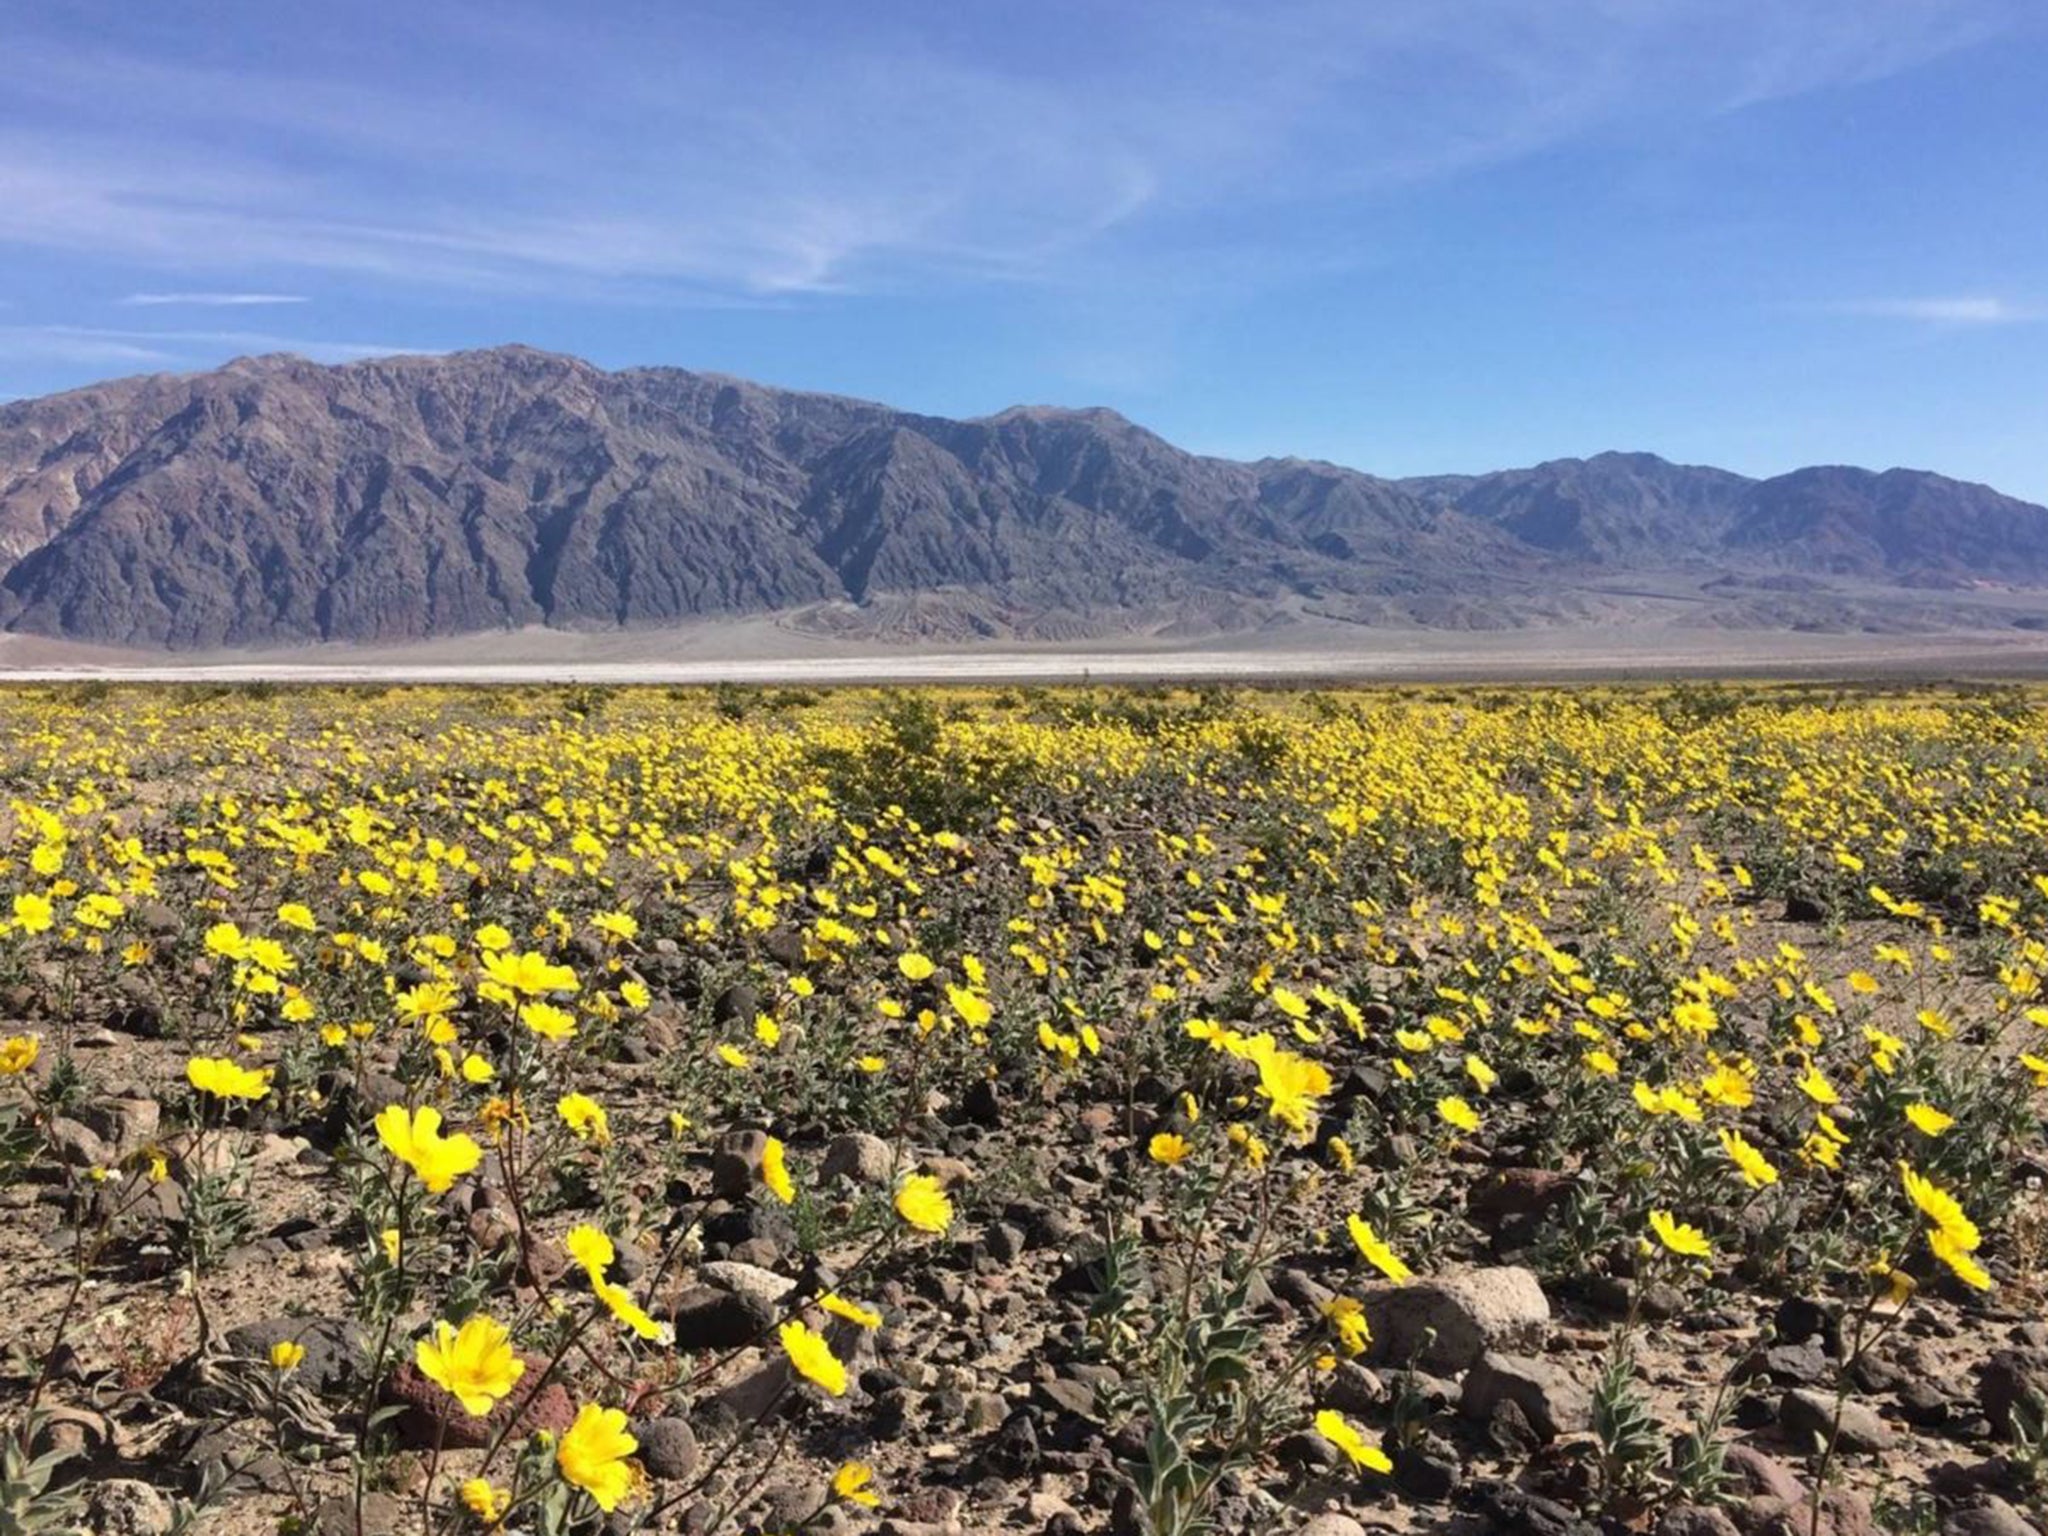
point(381, 1514)
point(1696, 1520)
point(1762, 1476)
point(2014, 1379)
point(1843, 1512)
point(951, 1172)
point(73, 1434)
point(430, 1411)
point(1515, 1193)
point(736, 1162)
point(1992, 1516)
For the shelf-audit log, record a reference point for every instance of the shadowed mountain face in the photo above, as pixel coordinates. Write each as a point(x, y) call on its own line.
point(276, 501)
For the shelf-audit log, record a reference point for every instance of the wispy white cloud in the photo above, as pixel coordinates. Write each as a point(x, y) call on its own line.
point(32, 343)
point(221, 300)
point(708, 161)
point(1959, 310)
point(1818, 44)
point(104, 344)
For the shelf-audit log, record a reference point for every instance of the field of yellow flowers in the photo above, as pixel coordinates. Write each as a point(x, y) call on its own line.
point(1049, 1110)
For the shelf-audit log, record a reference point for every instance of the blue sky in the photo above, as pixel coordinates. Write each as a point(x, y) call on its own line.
point(1407, 235)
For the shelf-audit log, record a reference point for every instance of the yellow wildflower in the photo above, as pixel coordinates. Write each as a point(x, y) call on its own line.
point(476, 1364)
point(1168, 1148)
point(851, 1482)
point(1340, 1432)
point(592, 1455)
point(775, 1172)
point(1376, 1252)
point(921, 1202)
point(225, 1080)
point(813, 1357)
point(415, 1139)
point(1686, 1241)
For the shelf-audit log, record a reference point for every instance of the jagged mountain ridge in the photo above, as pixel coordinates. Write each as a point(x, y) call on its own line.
point(276, 501)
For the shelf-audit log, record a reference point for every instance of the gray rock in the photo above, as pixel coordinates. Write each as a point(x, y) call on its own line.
point(209, 1452)
point(1436, 1393)
point(1696, 1520)
point(78, 1145)
point(1510, 1195)
point(1927, 1401)
point(1810, 1415)
point(859, 1156)
point(1333, 1525)
point(953, 1173)
point(158, 917)
point(1308, 1453)
point(983, 1411)
point(336, 1351)
point(783, 1504)
point(123, 1506)
point(1551, 1399)
point(1991, 1517)
point(1042, 1507)
point(1298, 1288)
point(1509, 1431)
point(1920, 1376)
point(1513, 1511)
point(761, 1286)
point(736, 1004)
point(124, 1124)
point(1795, 1365)
point(1619, 1297)
point(382, 1514)
point(1062, 1395)
point(1013, 1451)
point(1447, 1322)
point(1426, 1473)
point(336, 1356)
point(712, 1317)
point(1352, 1388)
point(668, 1447)
point(756, 1392)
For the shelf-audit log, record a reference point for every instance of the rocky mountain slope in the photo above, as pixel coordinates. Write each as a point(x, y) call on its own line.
point(276, 501)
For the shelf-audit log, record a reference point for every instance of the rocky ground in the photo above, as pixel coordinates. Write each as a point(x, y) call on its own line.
point(981, 1403)
point(1183, 1138)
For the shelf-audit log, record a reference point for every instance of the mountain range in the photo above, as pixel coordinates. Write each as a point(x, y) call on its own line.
point(277, 502)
